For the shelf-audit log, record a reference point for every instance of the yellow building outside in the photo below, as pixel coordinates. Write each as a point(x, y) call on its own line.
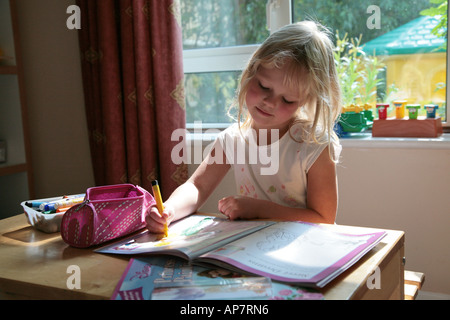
point(415, 62)
point(419, 77)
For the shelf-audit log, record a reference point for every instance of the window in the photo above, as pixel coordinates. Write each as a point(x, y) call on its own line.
point(405, 59)
point(408, 60)
point(219, 37)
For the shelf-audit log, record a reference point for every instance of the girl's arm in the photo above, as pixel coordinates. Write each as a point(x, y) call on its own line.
point(321, 199)
point(188, 197)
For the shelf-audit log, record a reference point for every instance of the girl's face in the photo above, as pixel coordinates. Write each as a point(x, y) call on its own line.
point(271, 103)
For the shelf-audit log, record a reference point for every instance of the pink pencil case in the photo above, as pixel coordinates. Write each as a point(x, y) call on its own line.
point(107, 213)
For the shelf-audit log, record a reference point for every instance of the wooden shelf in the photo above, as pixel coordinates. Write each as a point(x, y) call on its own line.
point(12, 169)
point(407, 128)
point(8, 70)
point(17, 173)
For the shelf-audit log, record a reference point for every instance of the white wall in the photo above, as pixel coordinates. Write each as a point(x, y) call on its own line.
point(54, 93)
point(403, 189)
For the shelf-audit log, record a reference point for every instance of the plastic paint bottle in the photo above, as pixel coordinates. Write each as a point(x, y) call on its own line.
point(413, 110)
point(382, 110)
point(399, 108)
point(431, 110)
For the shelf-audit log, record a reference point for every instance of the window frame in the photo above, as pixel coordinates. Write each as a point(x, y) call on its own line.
point(222, 59)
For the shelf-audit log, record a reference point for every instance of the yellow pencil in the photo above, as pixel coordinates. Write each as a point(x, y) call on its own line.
point(159, 202)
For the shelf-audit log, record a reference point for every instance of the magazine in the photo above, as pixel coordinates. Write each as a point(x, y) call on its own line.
point(173, 278)
point(297, 253)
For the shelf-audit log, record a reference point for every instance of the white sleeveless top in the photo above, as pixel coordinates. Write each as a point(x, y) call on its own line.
point(275, 172)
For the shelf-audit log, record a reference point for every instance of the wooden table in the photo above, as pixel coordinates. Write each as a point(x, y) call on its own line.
point(34, 265)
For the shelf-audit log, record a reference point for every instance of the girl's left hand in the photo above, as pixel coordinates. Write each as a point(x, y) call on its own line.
point(239, 207)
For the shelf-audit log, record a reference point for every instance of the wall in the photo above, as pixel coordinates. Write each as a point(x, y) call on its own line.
point(54, 93)
point(404, 189)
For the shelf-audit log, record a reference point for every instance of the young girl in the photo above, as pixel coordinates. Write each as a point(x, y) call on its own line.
point(288, 102)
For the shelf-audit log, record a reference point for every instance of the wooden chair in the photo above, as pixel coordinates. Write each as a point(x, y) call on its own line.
point(413, 283)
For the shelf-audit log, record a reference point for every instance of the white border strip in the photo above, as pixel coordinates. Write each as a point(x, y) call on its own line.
point(365, 140)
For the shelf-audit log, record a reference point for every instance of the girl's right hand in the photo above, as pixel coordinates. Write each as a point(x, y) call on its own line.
point(156, 221)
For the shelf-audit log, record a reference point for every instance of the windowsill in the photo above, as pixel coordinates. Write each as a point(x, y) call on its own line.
point(365, 140)
point(356, 140)
point(213, 59)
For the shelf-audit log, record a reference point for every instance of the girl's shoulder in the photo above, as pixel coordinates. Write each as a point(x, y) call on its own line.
point(303, 131)
point(316, 139)
point(230, 132)
point(235, 131)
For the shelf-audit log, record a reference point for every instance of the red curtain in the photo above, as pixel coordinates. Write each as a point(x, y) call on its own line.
point(134, 89)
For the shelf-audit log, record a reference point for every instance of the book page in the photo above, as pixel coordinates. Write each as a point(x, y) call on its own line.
point(187, 238)
point(294, 252)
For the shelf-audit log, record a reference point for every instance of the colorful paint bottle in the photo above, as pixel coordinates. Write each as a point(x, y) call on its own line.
point(431, 110)
point(413, 110)
point(382, 110)
point(399, 108)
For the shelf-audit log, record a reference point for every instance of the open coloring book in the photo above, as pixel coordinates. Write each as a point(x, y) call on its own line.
point(292, 252)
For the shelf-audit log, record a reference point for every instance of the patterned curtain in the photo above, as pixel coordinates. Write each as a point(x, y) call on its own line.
point(134, 89)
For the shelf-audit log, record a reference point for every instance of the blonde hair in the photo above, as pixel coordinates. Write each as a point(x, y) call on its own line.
point(305, 46)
